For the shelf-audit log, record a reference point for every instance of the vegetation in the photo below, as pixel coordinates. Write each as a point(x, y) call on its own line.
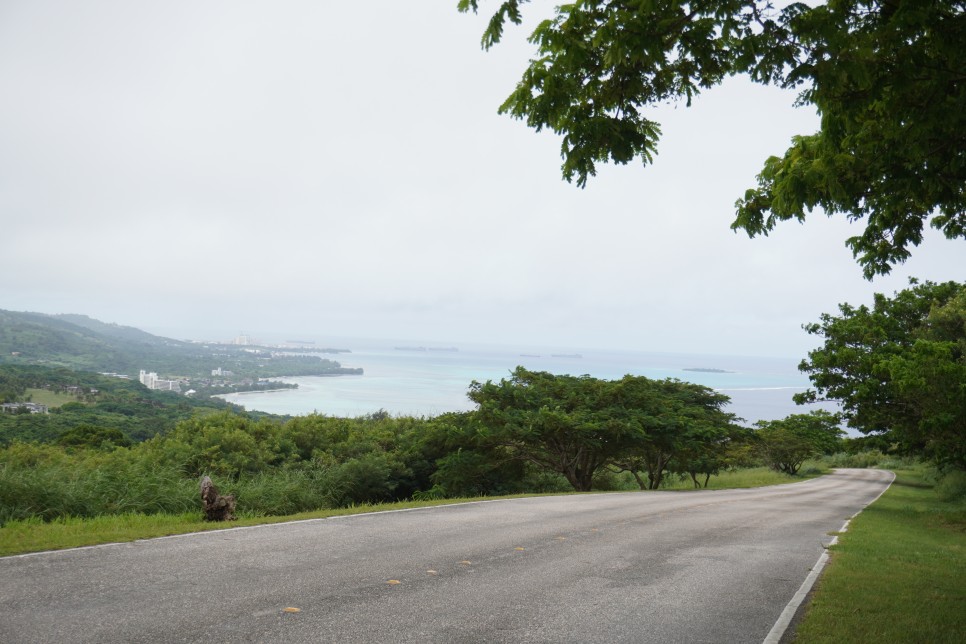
point(898, 369)
point(885, 77)
point(534, 433)
point(92, 401)
point(908, 546)
point(575, 426)
point(786, 444)
point(272, 467)
point(52, 399)
point(35, 535)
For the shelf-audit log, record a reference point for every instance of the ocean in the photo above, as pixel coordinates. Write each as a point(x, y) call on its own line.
point(427, 381)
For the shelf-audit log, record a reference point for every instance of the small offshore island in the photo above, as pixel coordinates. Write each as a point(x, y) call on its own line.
point(706, 370)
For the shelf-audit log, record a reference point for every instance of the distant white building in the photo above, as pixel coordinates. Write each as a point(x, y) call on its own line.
point(151, 381)
point(16, 408)
point(221, 372)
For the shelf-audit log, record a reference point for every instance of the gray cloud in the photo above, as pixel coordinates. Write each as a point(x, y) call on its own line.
point(339, 169)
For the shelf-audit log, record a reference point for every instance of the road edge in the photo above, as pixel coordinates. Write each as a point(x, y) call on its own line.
point(780, 627)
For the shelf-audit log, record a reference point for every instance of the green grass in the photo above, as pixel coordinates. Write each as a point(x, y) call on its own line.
point(49, 398)
point(898, 574)
point(750, 477)
point(35, 535)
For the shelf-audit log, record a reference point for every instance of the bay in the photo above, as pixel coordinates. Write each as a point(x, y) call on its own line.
point(431, 380)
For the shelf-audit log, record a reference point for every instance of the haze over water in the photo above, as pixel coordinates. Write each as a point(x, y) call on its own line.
point(407, 381)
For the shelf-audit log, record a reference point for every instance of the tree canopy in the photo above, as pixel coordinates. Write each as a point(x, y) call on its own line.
point(887, 78)
point(786, 443)
point(899, 368)
point(577, 425)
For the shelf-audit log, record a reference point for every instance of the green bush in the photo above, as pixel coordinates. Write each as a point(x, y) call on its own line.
point(370, 479)
point(48, 482)
point(867, 458)
point(280, 492)
point(952, 486)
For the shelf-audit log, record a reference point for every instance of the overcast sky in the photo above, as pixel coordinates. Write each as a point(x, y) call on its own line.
point(329, 169)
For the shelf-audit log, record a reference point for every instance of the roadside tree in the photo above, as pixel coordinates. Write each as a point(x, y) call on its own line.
point(575, 426)
point(725, 450)
point(886, 78)
point(786, 444)
point(898, 369)
point(561, 423)
point(680, 420)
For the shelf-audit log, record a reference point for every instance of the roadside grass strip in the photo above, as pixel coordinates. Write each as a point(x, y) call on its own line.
point(35, 535)
point(898, 574)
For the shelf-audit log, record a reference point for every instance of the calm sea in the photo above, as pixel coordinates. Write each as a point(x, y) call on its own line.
point(406, 381)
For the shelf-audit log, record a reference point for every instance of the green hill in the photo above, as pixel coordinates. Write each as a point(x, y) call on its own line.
point(91, 403)
point(81, 343)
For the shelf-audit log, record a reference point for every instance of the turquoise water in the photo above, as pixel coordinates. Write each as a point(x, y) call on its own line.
point(431, 382)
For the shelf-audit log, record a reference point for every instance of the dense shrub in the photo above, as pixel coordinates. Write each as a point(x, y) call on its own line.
point(281, 492)
point(952, 486)
point(47, 481)
point(271, 467)
point(868, 458)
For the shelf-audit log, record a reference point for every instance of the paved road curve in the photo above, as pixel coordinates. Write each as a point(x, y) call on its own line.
point(714, 566)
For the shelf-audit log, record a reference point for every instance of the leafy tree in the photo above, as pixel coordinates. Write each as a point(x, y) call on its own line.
point(787, 443)
point(575, 426)
point(723, 450)
point(898, 368)
point(886, 77)
point(93, 436)
point(561, 423)
point(678, 420)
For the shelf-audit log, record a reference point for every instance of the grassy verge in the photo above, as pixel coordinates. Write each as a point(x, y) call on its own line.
point(751, 477)
point(35, 535)
point(899, 573)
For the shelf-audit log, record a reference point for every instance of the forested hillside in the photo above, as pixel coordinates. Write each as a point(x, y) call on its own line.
point(91, 408)
point(81, 343)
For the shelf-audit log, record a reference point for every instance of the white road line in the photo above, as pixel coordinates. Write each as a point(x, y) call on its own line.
point(785, 619)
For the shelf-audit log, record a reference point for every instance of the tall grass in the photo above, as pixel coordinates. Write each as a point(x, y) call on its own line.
point(46, 484)
point(56, 490)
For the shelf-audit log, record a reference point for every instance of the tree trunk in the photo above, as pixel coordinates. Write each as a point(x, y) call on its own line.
point(640, 481)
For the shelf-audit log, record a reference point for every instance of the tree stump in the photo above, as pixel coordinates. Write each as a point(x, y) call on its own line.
point(216, 506)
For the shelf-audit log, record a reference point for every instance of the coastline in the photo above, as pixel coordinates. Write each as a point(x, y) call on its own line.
point(253, 391)
point(434, 383)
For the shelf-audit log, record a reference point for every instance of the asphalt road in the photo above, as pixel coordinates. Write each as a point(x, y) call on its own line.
point(708, 566)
